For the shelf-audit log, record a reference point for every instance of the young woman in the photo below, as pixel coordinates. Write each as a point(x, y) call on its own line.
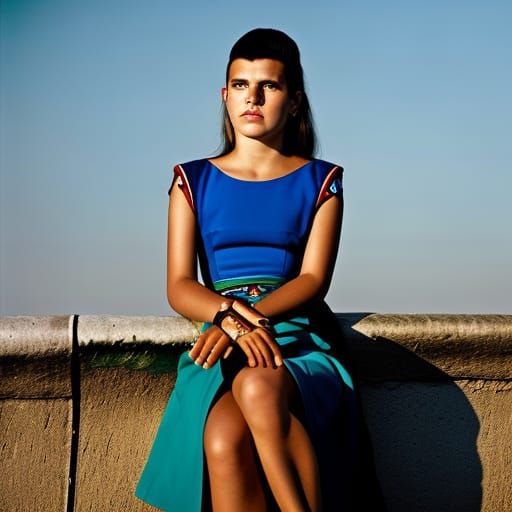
point(264, 414)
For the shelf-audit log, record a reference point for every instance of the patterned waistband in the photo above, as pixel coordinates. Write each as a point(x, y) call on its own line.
point(251, 286)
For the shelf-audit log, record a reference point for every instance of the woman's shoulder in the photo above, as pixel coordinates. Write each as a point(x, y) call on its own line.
point(329, 177)
point(191, 165)
point(189, 171)
point(328, 165)
point(187, 174)
point(328, 172)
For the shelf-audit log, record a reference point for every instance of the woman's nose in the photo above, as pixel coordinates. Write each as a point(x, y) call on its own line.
point(254, 95)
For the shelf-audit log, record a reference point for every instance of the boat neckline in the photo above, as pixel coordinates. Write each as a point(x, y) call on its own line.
point(218, 169)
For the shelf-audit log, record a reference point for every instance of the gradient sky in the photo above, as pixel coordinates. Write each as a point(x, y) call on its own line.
point(99, 100)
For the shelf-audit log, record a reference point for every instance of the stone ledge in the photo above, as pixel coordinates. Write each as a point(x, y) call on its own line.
point(35, 356)
point(36, 351)
point(430, 346)
point(36, 336)
point(436, 391)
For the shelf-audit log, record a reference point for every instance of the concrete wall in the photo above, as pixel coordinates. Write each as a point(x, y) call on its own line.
point(81, 398)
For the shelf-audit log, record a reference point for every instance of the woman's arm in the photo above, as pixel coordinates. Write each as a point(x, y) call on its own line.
point(185, 294)
point(318, 263)
point(193, 300)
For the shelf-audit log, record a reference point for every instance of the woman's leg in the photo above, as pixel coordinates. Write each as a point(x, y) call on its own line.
point(231, 458)
point(287, 455)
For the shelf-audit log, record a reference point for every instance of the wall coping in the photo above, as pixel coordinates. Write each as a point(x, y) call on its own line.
point(381, 346)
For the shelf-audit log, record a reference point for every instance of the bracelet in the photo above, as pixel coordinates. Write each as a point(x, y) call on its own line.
point(250, 314)
point(238, 318)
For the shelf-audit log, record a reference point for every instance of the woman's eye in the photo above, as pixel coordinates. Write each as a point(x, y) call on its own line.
point(238, 85)
point(270, 86)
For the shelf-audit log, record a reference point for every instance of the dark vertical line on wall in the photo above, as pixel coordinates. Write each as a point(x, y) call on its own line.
point(75, 416)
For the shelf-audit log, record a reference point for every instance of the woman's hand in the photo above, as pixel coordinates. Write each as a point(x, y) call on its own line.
point(258, 345)
point(209, 346)
point(260, 348)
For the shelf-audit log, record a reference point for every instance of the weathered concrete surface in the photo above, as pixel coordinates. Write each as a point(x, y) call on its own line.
point(35, 336)
point(436, 390)
point(493, 401)
point(120, 411)
point(442, 446)
point(35, 354)
point(135, 331)
point(120, 405)
point(34, 455)
point(434, 347)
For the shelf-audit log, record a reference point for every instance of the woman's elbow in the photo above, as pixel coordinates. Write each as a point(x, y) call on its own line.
point(177, 289)
point(318, 287)
point(170, 301)
point(321, 292)
point(173, 295)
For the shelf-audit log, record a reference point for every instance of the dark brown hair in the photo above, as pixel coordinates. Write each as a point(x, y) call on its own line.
point(267, 43)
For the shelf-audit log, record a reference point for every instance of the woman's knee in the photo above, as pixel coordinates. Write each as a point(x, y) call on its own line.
point(262, 395)
point(226, 434)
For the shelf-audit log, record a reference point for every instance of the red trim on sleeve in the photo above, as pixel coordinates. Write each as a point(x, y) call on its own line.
point(183, 184)
point(332, 185)
point(174, 178)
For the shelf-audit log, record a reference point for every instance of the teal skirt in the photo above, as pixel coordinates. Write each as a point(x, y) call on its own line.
point(173, 478)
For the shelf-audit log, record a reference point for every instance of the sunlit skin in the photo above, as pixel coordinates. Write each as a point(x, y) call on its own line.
point(257, 420)
point(258, 86)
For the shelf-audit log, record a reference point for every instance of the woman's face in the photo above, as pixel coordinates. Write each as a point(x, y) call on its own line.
point(257, 100)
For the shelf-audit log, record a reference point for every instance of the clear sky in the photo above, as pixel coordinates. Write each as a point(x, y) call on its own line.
point(99, 99)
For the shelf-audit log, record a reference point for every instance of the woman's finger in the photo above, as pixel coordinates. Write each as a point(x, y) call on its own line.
point(260, 357)
point(205, 352)
point(201, 340)
point(216, 351)
point(228, 351)
point(211, 340)
point(264, 349)
point(198, 345)
point(243, 344)
point(273, 345)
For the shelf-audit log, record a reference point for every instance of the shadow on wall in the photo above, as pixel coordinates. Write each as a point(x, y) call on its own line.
point(423, 428)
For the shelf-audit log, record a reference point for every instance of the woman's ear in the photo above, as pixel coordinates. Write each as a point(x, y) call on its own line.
point(295, 103)
point(224, 93)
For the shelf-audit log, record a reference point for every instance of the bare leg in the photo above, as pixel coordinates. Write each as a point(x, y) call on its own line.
point(231, 458)
point(284, 447)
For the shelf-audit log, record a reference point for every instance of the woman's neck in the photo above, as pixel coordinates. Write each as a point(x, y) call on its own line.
point(254, 158)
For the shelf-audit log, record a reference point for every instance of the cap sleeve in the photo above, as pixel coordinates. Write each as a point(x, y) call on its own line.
point(180, 176)
point(331, 186)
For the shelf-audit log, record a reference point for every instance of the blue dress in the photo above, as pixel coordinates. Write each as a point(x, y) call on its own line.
point(251, 237)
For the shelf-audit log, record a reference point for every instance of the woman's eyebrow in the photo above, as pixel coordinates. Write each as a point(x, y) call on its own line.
point(265, 80)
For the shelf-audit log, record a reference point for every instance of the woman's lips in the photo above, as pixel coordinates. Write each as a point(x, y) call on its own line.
point(252, 114)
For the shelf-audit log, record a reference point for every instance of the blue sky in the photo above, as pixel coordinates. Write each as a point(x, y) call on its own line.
point(98, 100)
